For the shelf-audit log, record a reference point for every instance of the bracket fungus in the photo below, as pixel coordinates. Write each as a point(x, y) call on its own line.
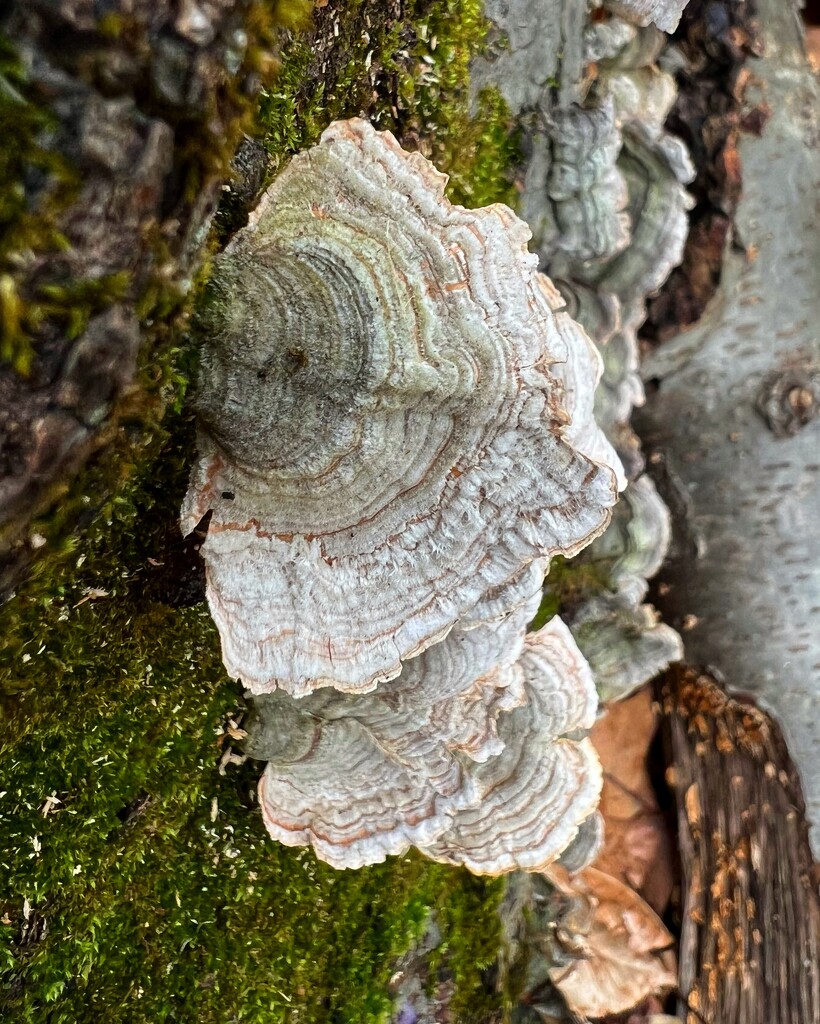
point(664, 13)
point(586, 189)
point(465, 760)
point(621, 637)
point(535, 796)
point(396, 434)
point(383, 437)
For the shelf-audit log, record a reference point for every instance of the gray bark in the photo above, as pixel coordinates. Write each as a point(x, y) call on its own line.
point(730, 429)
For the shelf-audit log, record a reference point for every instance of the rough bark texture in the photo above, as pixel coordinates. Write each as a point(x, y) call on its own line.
point(716, 44)
point(750, 944)
point(135, 114)
point(730, 427)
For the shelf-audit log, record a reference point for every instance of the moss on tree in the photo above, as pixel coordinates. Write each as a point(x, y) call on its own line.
point(137, 883)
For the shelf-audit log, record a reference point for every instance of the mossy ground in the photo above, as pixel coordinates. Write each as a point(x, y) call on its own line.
point(136, 882)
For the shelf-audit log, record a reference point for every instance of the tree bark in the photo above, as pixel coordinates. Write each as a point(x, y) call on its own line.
point(729, 429)
point(750, 942)
point(135, 115)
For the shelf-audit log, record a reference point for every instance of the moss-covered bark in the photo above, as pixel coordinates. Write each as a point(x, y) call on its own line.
point(136, 881)
point(120, 121)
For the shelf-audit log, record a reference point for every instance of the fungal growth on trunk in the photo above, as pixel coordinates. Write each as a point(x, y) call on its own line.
point(396, 434)
point(663, 13)
point(585, 188)
point(384, 438)
point(458, 756)
point(378, 772)
point(623, 639)
point(534, 797)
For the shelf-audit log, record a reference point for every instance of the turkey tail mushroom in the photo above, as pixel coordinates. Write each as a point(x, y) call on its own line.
point(664, 13)
point(535, 797)
point(384, 434)
point(374, 774)
point(378, 772)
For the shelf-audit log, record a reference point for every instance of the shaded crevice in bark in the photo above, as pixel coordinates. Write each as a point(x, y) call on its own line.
point(712, 49)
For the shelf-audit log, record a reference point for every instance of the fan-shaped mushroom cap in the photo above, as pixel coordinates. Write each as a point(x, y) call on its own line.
point(536, 794)
point(604, 39)
point(500, 602)
point(382, 437)
point(656, 167)
point(584, 185)
point(586, 846)
point(419, 761)
point(575, 197)
point(622, 639)
point(614, 330)
point(580, 375)
point(360, 777)
point(636, 542)
point(624, 642)
point(597, 310)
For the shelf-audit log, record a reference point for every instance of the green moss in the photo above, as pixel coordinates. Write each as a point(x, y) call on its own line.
point(407, 73)
point(25, 232)
point(150, 888)
point(568, 585)
point(163, 897)
point(471, 927)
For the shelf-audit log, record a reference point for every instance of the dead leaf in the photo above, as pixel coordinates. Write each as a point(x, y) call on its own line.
point(228, 758)
point(50, 803)
point(813, 46)
point(616, 948)
point(92, 594)
point(637, 847)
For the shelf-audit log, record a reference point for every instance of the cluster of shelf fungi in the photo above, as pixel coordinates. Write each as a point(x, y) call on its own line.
point(401, 422)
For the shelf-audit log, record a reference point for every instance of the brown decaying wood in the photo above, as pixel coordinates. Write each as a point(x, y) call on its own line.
point(750, 942)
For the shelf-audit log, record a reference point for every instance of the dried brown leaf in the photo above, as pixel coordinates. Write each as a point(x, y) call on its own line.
point(636, 843)
point(619, 948)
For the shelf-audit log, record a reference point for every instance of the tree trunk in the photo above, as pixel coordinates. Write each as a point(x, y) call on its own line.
point(731, 432)
point(137, 881)
point(750, 943)
point(120, 128)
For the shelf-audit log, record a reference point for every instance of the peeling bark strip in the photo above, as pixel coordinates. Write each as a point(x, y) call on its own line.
point(750, 946)
point(136, 113)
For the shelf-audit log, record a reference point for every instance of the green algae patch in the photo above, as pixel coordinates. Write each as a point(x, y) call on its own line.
point(568, 585)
